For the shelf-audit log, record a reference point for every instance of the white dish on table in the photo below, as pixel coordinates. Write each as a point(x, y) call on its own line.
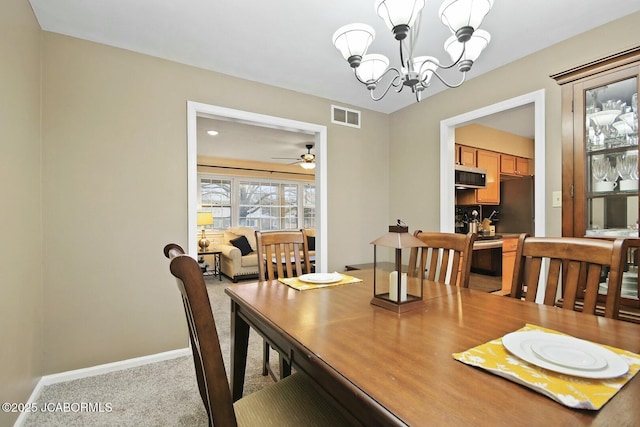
point(321, 277)
point(565, 354)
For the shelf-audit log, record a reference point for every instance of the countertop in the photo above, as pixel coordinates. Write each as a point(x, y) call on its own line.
point(493, 243)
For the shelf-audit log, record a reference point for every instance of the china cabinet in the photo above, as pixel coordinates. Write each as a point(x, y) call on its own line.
point(600, 154)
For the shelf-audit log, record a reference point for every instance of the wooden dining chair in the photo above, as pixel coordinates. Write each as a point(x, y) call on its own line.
point(575, 268)
point(294, 401)
point(446, 259)
point(282, 253)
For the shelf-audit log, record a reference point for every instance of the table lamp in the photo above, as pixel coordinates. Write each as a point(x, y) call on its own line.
point(204, 218)
point(393, 288)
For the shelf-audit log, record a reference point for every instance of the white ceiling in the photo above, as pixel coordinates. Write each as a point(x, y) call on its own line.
point(287, 43)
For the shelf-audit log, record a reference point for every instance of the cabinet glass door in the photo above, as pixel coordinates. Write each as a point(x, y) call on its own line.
point(611, 143)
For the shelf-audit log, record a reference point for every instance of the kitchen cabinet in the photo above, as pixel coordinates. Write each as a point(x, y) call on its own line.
point(490, 195)
point(514, 165)
point(509, 247)
point(466, 155)
point(600, 152)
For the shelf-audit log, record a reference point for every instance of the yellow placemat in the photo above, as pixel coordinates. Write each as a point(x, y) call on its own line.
point(299, 285)
point(574, 392)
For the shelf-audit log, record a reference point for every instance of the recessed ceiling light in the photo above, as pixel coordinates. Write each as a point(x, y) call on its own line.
point(212, 132)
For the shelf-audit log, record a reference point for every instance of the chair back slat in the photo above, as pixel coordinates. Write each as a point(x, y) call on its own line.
point(286, 250)
point(446, 258)
point(575, 267)
point(203, 335)
point(553, 280)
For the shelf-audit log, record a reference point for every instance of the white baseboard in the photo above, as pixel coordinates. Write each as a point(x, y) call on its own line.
point(98, 370)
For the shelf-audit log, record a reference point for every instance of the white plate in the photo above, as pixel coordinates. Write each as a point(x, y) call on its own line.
point(564, 354)
point(321, 277)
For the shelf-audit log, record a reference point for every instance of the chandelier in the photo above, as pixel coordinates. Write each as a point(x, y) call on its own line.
point(462, 17)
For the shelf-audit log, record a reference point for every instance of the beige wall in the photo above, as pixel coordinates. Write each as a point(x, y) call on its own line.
point(20, 190)
point(111, 183)
point(491, 139)
point(115, 180)
point(415, 132)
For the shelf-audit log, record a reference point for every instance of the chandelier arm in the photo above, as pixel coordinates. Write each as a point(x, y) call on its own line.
point(464, 76)
point(453, 64)
point(375, 82)
point(397, 81)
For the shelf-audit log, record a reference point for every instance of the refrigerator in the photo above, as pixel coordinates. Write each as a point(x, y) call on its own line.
point(516, 206)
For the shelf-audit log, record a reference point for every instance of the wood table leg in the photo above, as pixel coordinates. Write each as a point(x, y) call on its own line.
point(239, 345)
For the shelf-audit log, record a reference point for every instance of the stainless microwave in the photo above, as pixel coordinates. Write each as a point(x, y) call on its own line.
point(470, 177)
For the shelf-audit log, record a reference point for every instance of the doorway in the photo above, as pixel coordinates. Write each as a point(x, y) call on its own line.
point(447, 157)
point(319, 132)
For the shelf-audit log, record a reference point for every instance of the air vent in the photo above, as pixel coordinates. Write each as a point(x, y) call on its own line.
point(344, 116)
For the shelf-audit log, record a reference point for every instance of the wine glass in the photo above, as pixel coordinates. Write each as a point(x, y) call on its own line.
point(599, 168)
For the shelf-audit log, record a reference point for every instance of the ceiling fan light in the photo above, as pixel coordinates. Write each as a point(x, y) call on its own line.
point(353, 40)
point(474, 47)
point(458, 14)
point(399, 13)
point(308, 165)
point(372, 67)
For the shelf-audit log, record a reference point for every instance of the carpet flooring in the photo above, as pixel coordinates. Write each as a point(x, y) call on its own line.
point(157, 394)
point(163, 393)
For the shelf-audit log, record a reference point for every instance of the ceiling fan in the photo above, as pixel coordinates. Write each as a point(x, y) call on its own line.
point(306, 160)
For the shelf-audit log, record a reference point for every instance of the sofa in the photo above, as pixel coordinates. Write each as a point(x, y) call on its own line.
point(239, 259)
point(233, 263)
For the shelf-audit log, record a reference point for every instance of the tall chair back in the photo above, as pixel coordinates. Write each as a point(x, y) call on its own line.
point(575, 268)
point(446, 259)
point(282, 254)
point(205, 344)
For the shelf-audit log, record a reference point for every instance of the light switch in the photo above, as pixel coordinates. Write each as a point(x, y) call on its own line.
point(556, 199)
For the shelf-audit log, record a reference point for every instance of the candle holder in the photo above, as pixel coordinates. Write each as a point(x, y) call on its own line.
point(393, 288)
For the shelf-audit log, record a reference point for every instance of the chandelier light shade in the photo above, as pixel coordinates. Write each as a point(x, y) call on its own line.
point(353, 40)
point(467, 52)
point(399, 15)
point(372, 67)
point(402, 17)
point(464, 16)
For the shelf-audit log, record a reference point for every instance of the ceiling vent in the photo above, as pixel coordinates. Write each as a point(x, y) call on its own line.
point(344, 116)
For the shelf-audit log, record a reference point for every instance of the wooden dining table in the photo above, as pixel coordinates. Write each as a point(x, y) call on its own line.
point(385, 368)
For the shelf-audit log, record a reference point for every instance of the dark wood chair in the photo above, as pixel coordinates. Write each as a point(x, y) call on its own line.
point(447, 259)
point(575, 268)
point(280, 254)
point(292, 401)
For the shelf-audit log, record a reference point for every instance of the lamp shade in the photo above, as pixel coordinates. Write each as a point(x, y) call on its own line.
point(457, 14)
point(205, 218)
point(372, 67)
point(479, 40)
point(425, 66)
point(399, 12)
point(398, 237)
point(353, 39)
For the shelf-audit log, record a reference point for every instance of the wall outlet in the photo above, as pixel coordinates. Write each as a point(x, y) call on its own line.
point(556, 197)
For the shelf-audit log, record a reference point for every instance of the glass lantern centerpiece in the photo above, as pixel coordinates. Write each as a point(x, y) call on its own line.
point(393, 288)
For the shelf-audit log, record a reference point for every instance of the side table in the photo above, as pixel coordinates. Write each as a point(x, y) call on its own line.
point(216, 263)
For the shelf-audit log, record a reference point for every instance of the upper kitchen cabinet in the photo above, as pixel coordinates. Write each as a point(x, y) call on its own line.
point(514, 166)
point(600, 147)
point(490, 195)
point(467, 156)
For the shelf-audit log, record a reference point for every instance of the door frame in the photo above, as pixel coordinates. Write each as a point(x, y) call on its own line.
point(447, 157)
point(319, 132)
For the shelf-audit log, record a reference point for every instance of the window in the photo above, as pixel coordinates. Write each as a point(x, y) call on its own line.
point(260, 204)
point(309, 206)
point(215, 196)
